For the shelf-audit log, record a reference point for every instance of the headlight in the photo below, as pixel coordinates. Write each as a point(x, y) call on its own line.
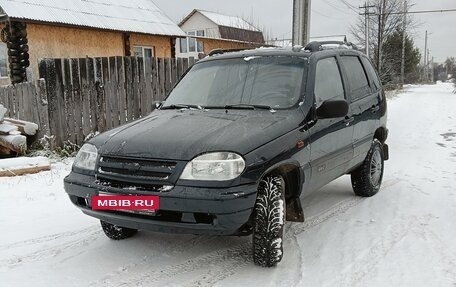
point(216, 166)
point(86, 158)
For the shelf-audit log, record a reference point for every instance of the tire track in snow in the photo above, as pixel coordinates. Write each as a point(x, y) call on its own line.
point(221, 271)
point(52, 251)
point(47, 238)
point(230, 256)
point(353, 274)
point(201, 262)
point(447, 257)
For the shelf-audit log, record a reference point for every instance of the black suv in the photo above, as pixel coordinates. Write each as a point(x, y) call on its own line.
point(239, 140)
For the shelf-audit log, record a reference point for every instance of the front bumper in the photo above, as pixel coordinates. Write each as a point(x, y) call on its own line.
point(183, 209)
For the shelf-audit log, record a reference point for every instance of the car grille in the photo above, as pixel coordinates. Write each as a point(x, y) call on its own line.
point(136, 174)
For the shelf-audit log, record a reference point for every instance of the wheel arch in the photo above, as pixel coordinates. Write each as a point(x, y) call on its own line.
point(294, 178)
point(381, 134)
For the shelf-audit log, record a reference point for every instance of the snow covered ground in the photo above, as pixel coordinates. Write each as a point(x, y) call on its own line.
point(404, 236)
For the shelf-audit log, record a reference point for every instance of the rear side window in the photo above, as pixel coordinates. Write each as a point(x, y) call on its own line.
point(328, 81)
point(372, 74)
point(357, 77)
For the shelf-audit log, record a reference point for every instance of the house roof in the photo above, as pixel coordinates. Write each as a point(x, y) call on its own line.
point(140, 16)
point(223, 20)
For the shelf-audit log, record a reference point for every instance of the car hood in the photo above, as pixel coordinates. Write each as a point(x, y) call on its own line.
point(184, 134)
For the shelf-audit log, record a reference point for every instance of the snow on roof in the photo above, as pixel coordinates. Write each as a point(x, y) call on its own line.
point(141, 16)
point(224, 20)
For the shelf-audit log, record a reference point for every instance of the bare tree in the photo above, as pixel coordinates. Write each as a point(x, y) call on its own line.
point(386, 17)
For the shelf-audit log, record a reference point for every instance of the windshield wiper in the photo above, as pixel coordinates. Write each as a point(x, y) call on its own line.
point(249, 107)
point(182, 106)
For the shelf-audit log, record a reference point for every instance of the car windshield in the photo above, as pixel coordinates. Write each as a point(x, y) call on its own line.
point(273, 82)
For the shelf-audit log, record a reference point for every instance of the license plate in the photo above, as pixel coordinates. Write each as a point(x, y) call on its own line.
point(126, 203)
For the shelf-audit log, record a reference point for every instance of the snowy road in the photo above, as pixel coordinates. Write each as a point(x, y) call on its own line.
point(404, 236)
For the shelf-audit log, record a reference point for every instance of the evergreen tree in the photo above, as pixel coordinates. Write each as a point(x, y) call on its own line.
point(392, 59)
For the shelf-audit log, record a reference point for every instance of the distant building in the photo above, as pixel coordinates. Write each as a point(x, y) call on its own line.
point(94, 28)
point(209, 30)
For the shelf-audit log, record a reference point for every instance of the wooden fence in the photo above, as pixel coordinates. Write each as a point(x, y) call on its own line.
point(90, 95)
point(28, 102)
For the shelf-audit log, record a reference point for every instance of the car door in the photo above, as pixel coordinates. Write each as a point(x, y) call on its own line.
point(364, 104)
point(331, 139)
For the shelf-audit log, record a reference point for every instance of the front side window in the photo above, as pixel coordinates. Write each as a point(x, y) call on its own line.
point(3, 60)
point(356, 76)
point(328, 81)
point(268, 81)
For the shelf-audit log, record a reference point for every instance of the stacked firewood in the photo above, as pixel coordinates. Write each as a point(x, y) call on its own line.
point(14, 133)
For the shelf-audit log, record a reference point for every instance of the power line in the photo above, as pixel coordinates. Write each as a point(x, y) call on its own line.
point(418, 12)
point(350, 6)
point(426, 11)
point(336, 7)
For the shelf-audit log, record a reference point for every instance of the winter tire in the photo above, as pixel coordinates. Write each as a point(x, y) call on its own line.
point(16, 42)
point(269, 220)
point(115, 232)
point(367, 179)
point(24, 48)
point(19, 33)
point(17, 59)
point(14, 53)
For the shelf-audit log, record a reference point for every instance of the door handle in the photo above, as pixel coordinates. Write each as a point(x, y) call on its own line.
point(375, 109)
point(348, 120)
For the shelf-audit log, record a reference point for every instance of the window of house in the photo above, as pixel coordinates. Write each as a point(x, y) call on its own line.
point(357, 77)
point(183, 45)
point(191, 44)
point(3, 60)
point(145, 52)
point(328, 81)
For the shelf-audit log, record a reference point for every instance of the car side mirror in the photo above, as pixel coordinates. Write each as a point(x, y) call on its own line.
point(332, 109)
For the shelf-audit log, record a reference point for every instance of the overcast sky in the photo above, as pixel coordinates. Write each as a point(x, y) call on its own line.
point(329, 17)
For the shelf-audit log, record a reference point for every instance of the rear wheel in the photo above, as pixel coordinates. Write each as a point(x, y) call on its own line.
point(367, 179)
point(268, 224)
point(116, 232)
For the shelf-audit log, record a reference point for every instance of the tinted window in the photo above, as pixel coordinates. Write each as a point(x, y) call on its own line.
point(372, 73)
point(270, 81)
point(356, 76)
point(328, 81)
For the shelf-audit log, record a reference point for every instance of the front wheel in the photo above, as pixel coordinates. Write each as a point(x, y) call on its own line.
point(116, 232)
point(268, 223)
point(367, 179)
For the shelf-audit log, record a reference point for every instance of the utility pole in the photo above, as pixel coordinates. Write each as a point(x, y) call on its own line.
point(367, 27)
point(301, 22)
point(367, 13)
point(425, 56)
point(404, 28)
point(381, 27)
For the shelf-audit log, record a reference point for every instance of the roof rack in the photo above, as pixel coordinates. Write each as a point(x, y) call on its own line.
point(223, 51)
point(326, 45)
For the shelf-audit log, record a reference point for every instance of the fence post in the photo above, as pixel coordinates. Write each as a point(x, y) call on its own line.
point(51, 71)
point(42, 108)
